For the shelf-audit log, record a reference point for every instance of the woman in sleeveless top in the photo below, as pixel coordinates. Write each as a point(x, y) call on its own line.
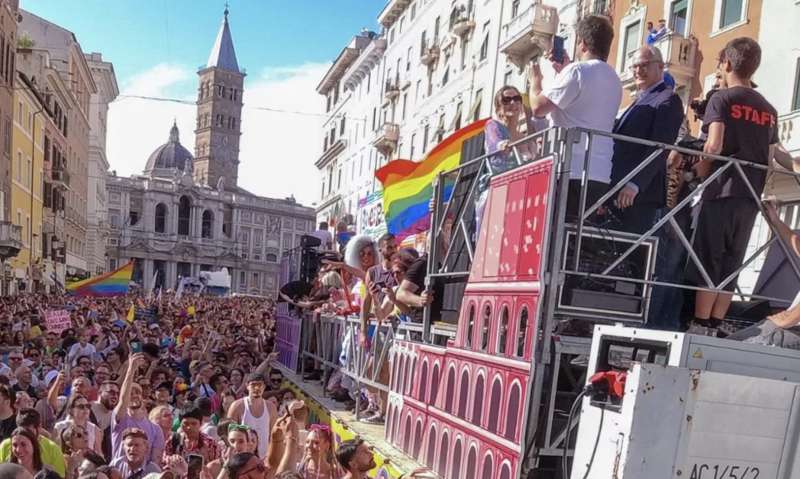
point(318, 462)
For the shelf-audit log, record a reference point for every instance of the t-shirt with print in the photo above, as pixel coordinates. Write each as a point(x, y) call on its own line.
point(587, 95)
point(750, 128)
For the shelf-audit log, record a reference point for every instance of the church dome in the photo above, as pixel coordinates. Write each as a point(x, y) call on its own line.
point(170, 156)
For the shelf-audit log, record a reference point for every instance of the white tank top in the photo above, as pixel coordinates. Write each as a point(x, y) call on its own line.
point(259, 424)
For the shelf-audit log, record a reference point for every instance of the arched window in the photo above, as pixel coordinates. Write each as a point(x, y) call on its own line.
point(161, 218)
point(412, 370)
point(502, 333)
point(477, 402)
point(441, 465)
point(505, 472)
point(451, 386)
point(522, 331)
point(429, 457)
point(463, 395)
point(487, 316)
point(512, 412)
point(423, 384)
point(184, 215)
point(407, 434)
point(403, 388)
point(488, 468)
point(389, 422)
point(271, 258)
point(455, 469)
point(472, 463)
point(494, 406)
point(417, 439)
point(470, 326)
point(207, 230)
point(434, 385)
point(396, 431)
point(398, 385)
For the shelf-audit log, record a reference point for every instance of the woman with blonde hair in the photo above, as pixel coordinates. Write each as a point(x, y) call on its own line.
point(162, 417)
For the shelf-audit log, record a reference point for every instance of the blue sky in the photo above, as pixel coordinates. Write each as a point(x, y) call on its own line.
point(157, 45)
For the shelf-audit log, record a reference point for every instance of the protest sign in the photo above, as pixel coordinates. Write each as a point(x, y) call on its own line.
point(57, 320)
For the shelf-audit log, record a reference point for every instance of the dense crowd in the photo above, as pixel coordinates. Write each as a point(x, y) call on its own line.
point(158, 387)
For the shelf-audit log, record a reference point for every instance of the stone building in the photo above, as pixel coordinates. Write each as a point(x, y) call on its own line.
point(186, 214)
point(96, 207)
point(61, 53)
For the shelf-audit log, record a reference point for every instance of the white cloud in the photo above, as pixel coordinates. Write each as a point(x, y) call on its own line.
point(278, 150)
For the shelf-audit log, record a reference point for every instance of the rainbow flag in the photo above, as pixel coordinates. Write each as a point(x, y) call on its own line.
point(114, 283)
point(408, 185)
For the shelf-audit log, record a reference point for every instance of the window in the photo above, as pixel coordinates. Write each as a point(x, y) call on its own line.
point(207, 229)
point(476, 114)
point(633, 34)
point(431, 447)
point(413, 10)
point(488, 468)
point(423, 43)
point(487, 316)
point(522, 331)
point(425, 133)
point(184, 214)
point(512, 413)
point(436, 30)
point(514, 8)
point(446, 76)
point(413, 141)
point(455, 467)
point(502, 334)
point(495, 400)
point(161, 218)
point(403, 106)
point(470, 326)
point(463, 395)
point(423, 384)
point(796, 96)
point(485, 43)
point(731, 11)
point(443, 450)
point(477, 402)
point(678, 10)
point(507, 77)
point(408, 58)
point(472, 460)
point(451, 385)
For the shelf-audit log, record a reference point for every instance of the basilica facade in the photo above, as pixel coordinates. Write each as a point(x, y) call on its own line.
point(186, 213)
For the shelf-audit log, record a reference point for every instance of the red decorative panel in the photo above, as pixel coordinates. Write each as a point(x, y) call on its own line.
point(510, 245)
point(493, 224)
point(534, 222)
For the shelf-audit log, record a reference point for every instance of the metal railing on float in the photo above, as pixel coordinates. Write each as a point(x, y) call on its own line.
point(452, 245)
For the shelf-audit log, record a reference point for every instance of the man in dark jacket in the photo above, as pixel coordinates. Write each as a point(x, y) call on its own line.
point(656, 114)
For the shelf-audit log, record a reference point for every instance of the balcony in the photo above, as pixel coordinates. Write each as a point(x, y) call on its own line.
point(392, 90)
point(330, 152)
point(789, 132)
point(529, 34)
point(463, 26)
point(429, 55)
point(386, 139)
point(680, 57)
point(60, 178)
point(10, 240)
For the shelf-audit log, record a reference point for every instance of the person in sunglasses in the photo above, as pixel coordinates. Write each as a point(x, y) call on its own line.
point(78, 411)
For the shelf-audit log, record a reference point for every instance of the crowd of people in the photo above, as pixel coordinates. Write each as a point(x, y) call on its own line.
point(162, 386)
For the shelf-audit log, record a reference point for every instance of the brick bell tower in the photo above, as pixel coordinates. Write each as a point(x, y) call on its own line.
point(219, 114)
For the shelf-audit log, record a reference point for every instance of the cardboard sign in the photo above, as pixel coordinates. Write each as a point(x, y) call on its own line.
point(57, 320)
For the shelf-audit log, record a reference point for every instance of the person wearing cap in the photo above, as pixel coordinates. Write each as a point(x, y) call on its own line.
point(135, 461)
point(255, 412)
point(189, 439)
point(130, 413)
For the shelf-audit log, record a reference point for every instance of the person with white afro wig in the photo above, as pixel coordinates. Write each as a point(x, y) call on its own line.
point(360, 254)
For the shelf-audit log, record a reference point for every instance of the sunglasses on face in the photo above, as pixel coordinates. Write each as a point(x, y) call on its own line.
point(507, 100)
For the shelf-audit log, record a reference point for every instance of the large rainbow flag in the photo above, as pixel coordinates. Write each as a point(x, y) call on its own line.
point(114, 283)
point(408, 185)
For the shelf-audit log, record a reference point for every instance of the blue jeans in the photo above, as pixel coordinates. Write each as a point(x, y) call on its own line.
point(666, 301)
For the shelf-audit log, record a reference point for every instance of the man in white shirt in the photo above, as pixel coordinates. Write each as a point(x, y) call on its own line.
point(586, 94)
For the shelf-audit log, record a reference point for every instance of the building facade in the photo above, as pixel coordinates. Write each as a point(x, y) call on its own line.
point(186, 214)
point(65, 56)
point(10, 234)
point(433, 68)
point(96, 200)
point(27, 169)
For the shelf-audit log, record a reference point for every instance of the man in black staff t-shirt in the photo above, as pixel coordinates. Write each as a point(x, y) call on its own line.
point(743, 125)
point(412, 291)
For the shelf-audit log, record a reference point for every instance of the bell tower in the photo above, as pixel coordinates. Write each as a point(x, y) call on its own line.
point(219, 114)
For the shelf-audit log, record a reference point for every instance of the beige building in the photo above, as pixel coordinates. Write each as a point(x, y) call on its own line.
point(10, 235)
point(66, 57)
point(96, 199)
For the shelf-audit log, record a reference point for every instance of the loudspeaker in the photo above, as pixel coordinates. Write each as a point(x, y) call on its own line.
point(308, 241)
